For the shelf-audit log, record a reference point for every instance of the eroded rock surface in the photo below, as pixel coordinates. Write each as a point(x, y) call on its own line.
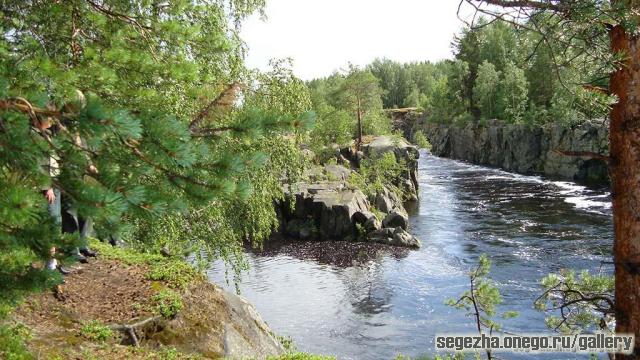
point(527, 150)
point(328, 209)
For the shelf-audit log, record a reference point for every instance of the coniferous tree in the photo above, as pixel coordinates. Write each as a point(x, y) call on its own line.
point(603, 32)
point(151, 91)
point(360, 94)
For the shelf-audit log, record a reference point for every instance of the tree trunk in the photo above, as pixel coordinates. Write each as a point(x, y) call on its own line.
point(359, 141)
point(625, 183)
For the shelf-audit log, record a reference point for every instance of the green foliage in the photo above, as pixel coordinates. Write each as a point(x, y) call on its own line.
point(485, 91)
point(584, 302)
point(12, 342)
point(177, 274)
point(286, 342)
point(167, 303)
point(96, 331)
point(279, 90)
point(513, 93)
point(378, 173)
point(502, 72)
point(343, 102)
point(482, 298)
point(421, 140)
point(174, 271)
point(147, 94)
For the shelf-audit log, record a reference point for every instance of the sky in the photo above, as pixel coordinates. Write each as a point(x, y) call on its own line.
point(323, 36)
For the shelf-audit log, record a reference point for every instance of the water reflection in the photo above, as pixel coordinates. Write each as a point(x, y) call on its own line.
point(361, 301)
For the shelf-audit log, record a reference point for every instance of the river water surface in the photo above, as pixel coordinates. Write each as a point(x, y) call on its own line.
point(395, 303)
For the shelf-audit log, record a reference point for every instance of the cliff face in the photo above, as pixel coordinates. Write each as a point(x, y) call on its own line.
point(526, 150)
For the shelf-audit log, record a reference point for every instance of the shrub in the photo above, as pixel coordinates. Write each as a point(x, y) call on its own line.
point(12, 346)
point(376, 174)
point(167, 303)
point(421, 140)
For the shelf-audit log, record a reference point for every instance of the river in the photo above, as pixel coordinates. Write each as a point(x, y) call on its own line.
point(395, 303)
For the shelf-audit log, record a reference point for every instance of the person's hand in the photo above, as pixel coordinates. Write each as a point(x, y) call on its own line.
point(50, 195)
point(92, 169)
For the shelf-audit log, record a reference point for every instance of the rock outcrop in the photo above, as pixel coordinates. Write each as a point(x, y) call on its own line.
point(216, 323)
point(405, 120)
point(119, 297)
point(328, 209)
point(527, 150)
point(404, 152)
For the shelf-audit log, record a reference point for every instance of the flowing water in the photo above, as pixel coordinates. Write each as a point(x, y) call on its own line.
point(395, 303)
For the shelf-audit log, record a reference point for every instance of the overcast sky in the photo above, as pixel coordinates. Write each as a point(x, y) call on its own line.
point(324, 35)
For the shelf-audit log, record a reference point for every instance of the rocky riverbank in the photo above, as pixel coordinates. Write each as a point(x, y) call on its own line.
point(527, 150)
point(128, 305)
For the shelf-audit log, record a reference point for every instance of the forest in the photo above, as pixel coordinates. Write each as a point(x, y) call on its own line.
point(499, 71)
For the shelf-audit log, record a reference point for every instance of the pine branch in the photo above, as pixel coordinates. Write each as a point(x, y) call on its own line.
point(22, 105)
point(115, 15)
point(537, 5)
point(221, 103)
point(208, 132)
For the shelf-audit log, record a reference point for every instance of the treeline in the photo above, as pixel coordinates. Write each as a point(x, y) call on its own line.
point(498, 72)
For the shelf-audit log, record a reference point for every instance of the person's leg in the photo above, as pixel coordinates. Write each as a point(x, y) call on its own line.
point(56, 213)
point(86, 228)
point(70, 224)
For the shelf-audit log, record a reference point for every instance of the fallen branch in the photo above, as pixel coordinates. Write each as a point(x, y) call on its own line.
point(588, 154)
point(130, 329)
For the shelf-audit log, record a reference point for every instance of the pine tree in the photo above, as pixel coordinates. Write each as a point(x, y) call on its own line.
point(150, 89)
point(360, 94)
point(603, 32)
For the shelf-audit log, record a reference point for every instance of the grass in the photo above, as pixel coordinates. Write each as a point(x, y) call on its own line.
point(177, 274)
point(12, 342)
point(174, 272)
point(96, 331)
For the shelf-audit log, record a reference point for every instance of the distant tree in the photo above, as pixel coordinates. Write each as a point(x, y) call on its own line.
point(485, 92)
point(457, 81)
point(360, 94)
point(386, 71)
point(513, 93)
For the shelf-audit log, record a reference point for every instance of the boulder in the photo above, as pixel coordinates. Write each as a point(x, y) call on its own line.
point(216, 323)
point(387, 201)
point(402, 238)
point(329, 207)
point(372, 224)
point(395, 237)
point(337, 172)
point(396, 219)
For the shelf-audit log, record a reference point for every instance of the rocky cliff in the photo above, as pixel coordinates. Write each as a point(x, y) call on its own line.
point(327, 207)
point(527, 150)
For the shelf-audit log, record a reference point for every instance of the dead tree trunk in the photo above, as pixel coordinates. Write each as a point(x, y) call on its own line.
point(625, 180)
